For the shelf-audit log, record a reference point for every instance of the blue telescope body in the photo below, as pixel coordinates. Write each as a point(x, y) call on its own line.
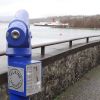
point(24, 74)
point(18, 35)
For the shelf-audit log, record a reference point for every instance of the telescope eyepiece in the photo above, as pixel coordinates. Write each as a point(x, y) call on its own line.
point(15, 34)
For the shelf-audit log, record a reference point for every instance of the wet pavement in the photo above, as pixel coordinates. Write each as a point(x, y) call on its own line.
point(87, 88)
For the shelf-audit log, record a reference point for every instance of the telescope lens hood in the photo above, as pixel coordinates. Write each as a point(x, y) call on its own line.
point(15, 36)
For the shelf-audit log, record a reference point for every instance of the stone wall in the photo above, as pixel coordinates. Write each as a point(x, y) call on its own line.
point(3, 92)
point(64, 69)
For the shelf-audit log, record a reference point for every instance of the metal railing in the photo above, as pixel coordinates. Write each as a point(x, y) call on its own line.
point(43, 45)
point(3, 75)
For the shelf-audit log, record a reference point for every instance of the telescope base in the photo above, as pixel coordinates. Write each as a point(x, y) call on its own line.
point(16, 97)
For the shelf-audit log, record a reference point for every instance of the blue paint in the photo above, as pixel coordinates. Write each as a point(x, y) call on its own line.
point(20, 23)
point(21, 64)
point(19, 50)
point(16, 97)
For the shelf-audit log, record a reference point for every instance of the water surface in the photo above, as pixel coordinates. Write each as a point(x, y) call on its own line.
point(47, 34)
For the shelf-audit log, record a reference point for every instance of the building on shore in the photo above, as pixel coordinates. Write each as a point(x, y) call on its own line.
point(52, 24)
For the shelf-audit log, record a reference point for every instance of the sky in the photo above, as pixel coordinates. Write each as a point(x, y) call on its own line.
point(46, 8)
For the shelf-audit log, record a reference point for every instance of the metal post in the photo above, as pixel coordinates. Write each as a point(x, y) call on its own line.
point(87, 40)
point(16, 97)
point(70, 44)
point(23, 72)
point(42, 50)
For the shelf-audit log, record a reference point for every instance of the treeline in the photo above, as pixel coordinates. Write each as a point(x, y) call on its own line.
point(81, 21)
point(73, 21)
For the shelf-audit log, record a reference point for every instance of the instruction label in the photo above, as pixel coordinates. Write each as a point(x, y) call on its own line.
point(33, 82)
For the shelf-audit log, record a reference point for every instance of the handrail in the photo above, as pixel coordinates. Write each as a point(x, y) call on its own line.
point(42, 46)
point(62, 41)
point(2, 53)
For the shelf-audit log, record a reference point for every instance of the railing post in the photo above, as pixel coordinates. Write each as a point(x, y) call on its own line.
point(70, 43)
point(87, 40)
point(42, 50)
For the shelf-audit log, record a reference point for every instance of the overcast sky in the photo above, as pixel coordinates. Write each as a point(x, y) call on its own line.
point(45, 8)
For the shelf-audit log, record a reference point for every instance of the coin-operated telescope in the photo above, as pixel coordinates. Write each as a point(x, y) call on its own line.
point(24, 74)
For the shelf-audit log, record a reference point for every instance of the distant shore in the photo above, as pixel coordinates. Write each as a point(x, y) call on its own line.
point(53, 26)
point(78, 21)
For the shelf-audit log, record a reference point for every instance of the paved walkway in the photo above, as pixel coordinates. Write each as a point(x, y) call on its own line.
point(87, 88)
